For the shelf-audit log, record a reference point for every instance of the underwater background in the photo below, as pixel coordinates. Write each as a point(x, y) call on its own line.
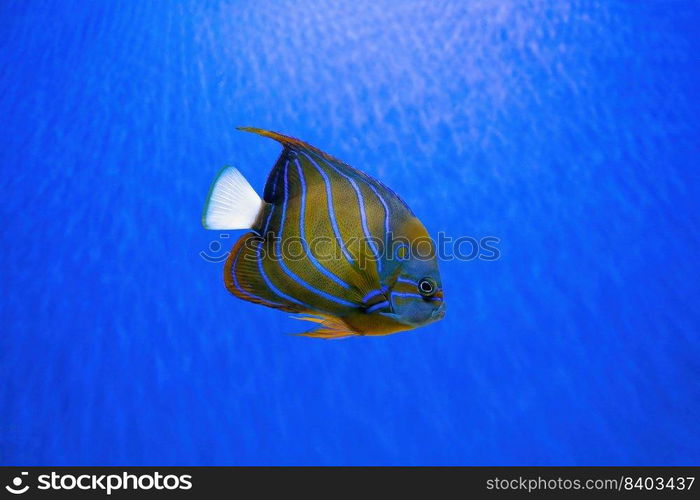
point(569, 130)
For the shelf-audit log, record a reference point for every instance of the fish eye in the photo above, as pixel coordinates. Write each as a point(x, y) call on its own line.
point(427, 287)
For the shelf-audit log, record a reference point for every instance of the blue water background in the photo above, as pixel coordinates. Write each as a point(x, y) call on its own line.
point(568, 129)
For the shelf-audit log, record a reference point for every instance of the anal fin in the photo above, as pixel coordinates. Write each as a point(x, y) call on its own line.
point(330, 328)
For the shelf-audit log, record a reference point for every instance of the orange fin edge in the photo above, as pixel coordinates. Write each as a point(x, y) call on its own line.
point(286, 140)
point(330, 328)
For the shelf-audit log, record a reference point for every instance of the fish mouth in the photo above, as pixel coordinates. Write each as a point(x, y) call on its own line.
point(439, 313)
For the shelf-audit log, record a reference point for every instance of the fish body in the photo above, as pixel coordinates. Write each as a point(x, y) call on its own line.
point(329, 243)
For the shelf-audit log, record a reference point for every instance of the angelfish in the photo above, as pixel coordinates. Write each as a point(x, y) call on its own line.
point(327, 242)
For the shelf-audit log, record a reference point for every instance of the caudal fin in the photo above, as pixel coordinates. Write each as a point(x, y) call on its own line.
point(232, 203)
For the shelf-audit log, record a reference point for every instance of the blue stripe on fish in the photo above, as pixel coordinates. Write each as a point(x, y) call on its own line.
point(302, 233)
point(372, 294)
point(272, 287)
point(406, 280)
point(386, 211)
point(245, 292)
point(331, 212)
point(363, 215)
point(272, 207)
point(281, 262)
point(404, 295)
point(380, 305)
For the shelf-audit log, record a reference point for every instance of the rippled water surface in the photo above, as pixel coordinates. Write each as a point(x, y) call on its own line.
point(568, 129)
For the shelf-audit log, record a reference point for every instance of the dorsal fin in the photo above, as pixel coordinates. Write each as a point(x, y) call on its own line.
point(291, 142)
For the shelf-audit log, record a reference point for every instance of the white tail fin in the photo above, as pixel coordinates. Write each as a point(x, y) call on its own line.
point(232, 202)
